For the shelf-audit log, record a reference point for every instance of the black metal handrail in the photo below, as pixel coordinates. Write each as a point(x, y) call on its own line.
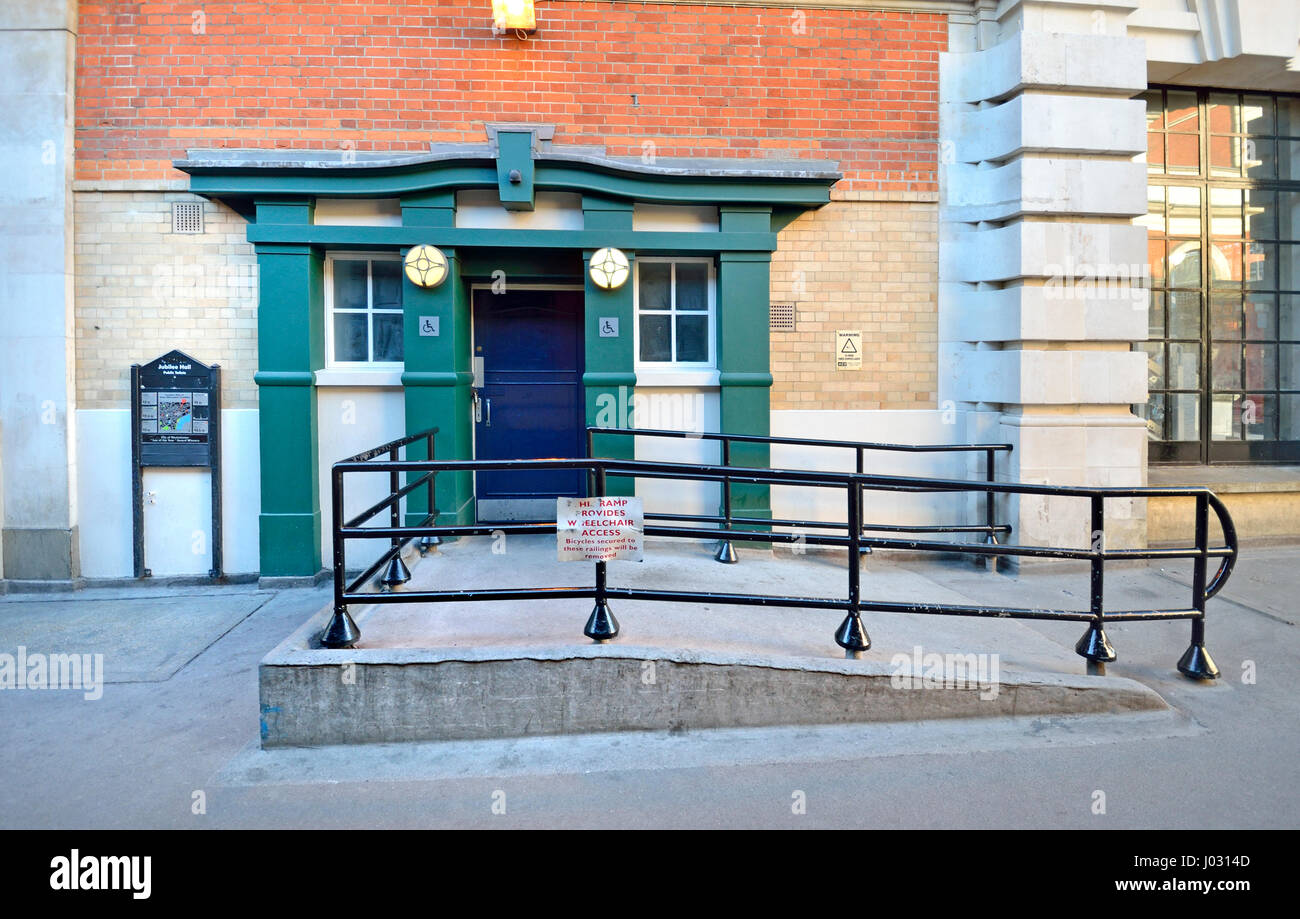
point(726, 553)
point(851, 635)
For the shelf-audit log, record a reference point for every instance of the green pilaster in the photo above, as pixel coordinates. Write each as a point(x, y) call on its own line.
point(436, 377)
point(609, 375)
point(744, 285)
point(290, 345)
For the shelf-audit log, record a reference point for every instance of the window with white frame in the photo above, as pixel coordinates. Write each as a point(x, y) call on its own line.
point(363, 308)
point(675, 311)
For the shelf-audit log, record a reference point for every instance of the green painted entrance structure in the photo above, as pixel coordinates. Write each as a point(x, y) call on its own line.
point(276, 191)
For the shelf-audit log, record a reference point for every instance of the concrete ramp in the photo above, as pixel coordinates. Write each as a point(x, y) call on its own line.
point(466, 671)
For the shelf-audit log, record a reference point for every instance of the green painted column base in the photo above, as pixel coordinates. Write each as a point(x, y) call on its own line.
point(289, 544)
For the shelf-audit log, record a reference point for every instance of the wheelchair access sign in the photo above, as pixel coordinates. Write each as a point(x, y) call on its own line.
point(599, 529)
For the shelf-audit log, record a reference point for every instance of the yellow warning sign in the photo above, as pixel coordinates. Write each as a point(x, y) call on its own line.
point(848, 349)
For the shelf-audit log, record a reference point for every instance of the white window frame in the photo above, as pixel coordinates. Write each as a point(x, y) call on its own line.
point(370, 311)
point(672, 312)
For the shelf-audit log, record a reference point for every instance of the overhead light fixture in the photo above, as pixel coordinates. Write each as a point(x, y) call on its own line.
point(514, 15)
point(426, 266)
point(609, 268)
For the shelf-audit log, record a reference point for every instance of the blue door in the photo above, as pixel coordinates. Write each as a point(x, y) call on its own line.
point(531, 402)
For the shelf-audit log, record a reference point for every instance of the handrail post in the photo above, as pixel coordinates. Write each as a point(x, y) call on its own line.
point(990, 538)
point(428, 542)
point(726, 551)
point(601, 625)
point(851, 636)
point(397, 572)
point(341, 632)
point(591, 473)
point(1196, 661)
point(1093, 646)
point(860, 467)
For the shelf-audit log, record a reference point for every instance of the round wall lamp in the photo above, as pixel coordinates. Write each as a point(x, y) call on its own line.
point(426, 266)
point(609, 268)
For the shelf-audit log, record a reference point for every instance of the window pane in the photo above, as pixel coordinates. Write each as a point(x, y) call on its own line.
point(693, 338)
point(1290, 418)
point(1184, 366)
point(1155, 153)
point(1183, 154)
point(692, 286)
point(1257, 416)
point(1154, 415)
point(1261, 367)
point(1288, 266)
point(656, 343)
point(1290, 367)
point(388, 337)
point(1261, 317)
point(1225, 421)
point(349, 284)
point(1288, 320)
point(1223, 113)
point(1155, 352)
point(1184, 210)
point(1288, 115)
point(1288, 160)
point(1154, 220)
point(387, 280)
point(350, 336)
point(1259, 158)
point(1185, 315)
point(1225, 156)
point(1181, 112)
point(1226, 360)
point(1261, 214)
point(1155, 110)
point(656, 283)
point(1225, 263)
point(1156, 259)
point(1261, 266)
point(1225, 317)
point(1184, 416)
point(1257, 114)
point(1156, 315)
point(1185, 263)
point(1225, 212)
point(1288, 215)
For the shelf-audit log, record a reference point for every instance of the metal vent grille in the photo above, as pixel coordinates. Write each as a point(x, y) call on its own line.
point(782, 317)
point(187, 217)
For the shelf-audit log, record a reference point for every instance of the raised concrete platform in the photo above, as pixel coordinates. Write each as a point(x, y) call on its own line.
point(464, 671)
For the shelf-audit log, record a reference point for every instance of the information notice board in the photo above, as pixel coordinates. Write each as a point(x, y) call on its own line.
point(175, 421)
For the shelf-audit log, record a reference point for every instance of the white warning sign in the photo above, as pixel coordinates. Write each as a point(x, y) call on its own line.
point(848, 349)
point(599, 529)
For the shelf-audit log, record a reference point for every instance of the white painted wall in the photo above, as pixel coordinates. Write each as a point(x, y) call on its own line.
point(552, 210)
point(358, 212)
point(178, 522)
point(352, 419)
point(677, 408)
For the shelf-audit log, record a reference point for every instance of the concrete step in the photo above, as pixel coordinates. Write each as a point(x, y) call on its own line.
point(465, 671)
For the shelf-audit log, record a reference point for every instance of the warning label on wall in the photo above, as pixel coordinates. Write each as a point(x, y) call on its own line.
point(599, 529)
point(848, 350)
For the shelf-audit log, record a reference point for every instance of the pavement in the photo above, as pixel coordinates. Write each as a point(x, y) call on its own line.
point(173, 739)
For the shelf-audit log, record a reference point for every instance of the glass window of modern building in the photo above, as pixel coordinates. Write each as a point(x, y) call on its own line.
point(1224, 253)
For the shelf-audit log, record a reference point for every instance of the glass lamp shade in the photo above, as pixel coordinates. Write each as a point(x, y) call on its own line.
point(514, 15)
point(426, 266)
point(609, 268)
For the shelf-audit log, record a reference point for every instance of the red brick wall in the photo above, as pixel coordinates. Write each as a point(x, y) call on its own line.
point(154, 79)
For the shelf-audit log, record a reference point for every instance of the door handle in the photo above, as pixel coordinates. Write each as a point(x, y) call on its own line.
point(489, 411)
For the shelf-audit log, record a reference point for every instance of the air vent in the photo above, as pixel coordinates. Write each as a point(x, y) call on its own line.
point(187, 217)
point(782, 317)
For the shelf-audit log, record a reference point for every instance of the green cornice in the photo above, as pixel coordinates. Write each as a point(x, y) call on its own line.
point(446, 237)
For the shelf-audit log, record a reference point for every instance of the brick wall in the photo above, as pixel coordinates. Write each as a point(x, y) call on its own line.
point(859, 264)
point(142, 290)
point(856, 86)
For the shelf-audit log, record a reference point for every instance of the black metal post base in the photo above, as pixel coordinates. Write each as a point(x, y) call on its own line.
point(726, 553)
point(852, 637)
point(1095, 647)
point(602, 626)
point(397, 573)
point(341, 632)
point(1197, 663)
point(426, 543)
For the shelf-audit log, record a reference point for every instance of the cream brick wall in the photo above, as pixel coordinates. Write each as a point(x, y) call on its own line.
point(859, 263)
point(142, 290)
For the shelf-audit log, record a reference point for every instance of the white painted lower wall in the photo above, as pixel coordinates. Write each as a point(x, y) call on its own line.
point(677, 408)
point(178, 515)
point(350, 420)
point(894, 427)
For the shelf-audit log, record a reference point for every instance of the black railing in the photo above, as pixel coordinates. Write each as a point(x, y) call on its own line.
point(990, 528)
point(851, 634)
